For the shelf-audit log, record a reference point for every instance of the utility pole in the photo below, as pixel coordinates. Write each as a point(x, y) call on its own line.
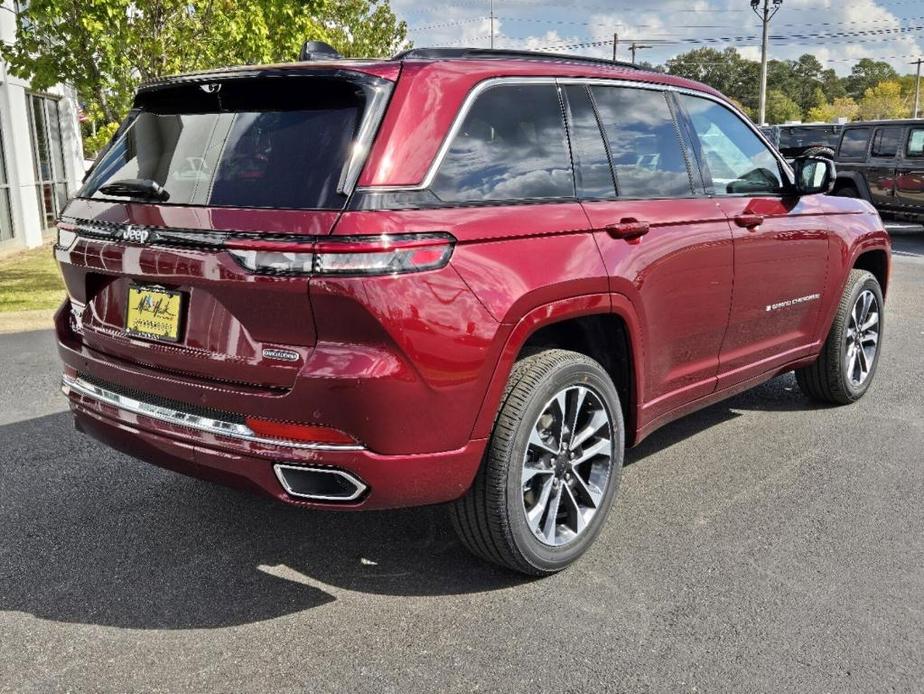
point(492, 23)
point(917, 87)
point(765, 12)
point(637, 47)
point(615, 45)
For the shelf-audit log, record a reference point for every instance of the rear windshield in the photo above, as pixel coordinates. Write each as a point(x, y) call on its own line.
point(804, 137)
point(272, 143)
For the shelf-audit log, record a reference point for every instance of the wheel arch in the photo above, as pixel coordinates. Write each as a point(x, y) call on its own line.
point(601, 326)
point(853, 179)
point(875, 261)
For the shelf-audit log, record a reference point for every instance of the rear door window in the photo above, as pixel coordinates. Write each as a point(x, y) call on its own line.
point(886, 142)
point(644, 144)
point(510, 146)
point(915, 143)
point(736, 159)
point(853, 144)
point(593, 175)
point(279, 143)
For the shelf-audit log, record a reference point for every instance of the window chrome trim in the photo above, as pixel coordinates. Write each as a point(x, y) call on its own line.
point(189, 420)
point(481, 87)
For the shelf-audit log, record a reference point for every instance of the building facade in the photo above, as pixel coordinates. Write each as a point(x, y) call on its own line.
point(41, 153)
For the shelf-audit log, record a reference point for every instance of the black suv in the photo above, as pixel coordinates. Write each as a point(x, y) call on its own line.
point(883, 162)
point(804, 140)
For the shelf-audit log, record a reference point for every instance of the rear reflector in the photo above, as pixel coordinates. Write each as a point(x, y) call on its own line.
point(298, 432)
point(356, 255)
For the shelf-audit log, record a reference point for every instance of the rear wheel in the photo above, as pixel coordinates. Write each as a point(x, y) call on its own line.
point(847, 192)
point(552, 467)
point(847, 363)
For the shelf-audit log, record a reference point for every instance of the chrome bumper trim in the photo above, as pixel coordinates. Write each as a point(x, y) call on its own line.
point(219, 427)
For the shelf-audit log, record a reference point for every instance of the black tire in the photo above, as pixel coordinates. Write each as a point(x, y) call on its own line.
point(827, 379)
point(491, 518)
point(847, 192)
point(819, 151)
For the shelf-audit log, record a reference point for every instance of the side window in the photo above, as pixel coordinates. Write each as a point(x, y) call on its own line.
point(648, 159)
point(593, 176)
point(915, 143)
point(853, 144)
point(737, 160)
point(885, 142)
point(511, 146)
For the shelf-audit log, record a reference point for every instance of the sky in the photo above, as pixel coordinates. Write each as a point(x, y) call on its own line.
point(837, 32)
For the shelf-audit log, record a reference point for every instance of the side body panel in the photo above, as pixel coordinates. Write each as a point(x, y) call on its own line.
point(780, 276)
point(678, 277)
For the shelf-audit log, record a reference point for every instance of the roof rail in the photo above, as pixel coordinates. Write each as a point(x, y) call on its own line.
point(486, 53)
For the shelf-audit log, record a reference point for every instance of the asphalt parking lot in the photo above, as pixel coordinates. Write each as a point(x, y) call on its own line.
point(763, 544)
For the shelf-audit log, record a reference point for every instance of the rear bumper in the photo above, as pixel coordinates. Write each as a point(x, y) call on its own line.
point(190, 448)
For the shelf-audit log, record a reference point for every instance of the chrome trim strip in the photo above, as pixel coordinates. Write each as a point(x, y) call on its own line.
point(495, 81)
point(187, 419)
point(360, 487)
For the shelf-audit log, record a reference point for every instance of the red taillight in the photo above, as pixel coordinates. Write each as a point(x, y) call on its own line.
point(289, 431)
point(354, 255)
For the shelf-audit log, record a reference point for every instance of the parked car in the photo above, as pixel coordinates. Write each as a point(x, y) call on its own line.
point(459, 276)
point(804, 139)
point(883, 163)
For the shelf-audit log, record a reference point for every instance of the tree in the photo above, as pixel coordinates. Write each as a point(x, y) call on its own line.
point(885, 100)
point(866, 74)
point(841, 107)
point(105, 48)
point(780, 108)
point(724, 70)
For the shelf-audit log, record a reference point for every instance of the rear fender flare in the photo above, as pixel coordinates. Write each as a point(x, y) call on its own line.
point(556, 312)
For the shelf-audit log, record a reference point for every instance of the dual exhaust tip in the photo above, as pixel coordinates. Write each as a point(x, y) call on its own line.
point(319, 484)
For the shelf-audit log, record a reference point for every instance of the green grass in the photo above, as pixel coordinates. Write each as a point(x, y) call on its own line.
point(30, 280)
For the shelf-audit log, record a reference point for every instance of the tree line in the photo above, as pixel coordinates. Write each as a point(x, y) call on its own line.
point(107, 48)
point(800, 89)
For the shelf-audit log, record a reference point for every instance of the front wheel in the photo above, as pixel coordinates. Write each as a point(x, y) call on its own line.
point(847, 363)
point(552, 467)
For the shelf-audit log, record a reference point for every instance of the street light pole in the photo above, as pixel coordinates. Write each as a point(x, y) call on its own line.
point(917, 87)
point(615, 45)
point(637, 47)
point(492, 23)
point(770, 8)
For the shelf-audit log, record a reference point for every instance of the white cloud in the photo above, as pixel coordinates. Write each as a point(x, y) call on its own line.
point(548, 23)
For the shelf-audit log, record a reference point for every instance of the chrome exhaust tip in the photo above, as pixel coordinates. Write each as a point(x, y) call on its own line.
point(319, 484)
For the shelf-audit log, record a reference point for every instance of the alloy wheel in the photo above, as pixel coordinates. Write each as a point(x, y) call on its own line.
point(567, 465)
point(862, 338)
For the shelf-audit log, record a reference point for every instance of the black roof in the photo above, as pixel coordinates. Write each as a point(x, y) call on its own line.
point(502, 53)
point(897, 121)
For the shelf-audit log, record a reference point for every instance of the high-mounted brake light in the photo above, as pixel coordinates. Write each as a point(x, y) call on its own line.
point(354, 255)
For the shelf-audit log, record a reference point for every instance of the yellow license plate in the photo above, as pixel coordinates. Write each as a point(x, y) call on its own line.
point(154, 312)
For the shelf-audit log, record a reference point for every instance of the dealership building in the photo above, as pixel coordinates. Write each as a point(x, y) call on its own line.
point(41, 156)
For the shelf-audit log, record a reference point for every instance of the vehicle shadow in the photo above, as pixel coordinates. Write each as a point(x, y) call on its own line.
point(780, 394)
point(91, 536)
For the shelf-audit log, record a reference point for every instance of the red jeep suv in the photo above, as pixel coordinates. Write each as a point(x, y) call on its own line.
point(456, 276)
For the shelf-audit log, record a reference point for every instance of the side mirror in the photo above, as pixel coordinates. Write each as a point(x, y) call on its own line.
point(814, 175)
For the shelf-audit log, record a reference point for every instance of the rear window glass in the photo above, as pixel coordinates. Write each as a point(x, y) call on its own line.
point(279, 143)
point(916, 143)
point(886, 141)
point(511, 146)
point(853, 144)
point(648, 158)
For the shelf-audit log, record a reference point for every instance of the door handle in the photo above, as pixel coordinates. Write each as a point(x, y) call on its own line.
point(749, 221)
point(627, 228)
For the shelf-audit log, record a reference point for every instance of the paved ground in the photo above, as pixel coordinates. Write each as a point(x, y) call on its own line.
point(759, 545)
